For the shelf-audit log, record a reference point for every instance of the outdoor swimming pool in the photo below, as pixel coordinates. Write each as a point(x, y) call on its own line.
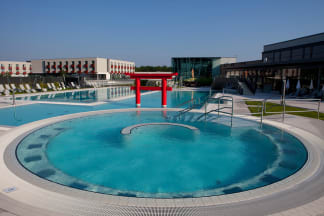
point(15, 116)
point(91, 154)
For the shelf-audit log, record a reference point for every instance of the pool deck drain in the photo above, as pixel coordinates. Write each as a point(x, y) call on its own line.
point(128, 130)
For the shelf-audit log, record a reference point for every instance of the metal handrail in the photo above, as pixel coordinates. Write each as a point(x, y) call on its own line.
point(218, 99)
point(284, 106)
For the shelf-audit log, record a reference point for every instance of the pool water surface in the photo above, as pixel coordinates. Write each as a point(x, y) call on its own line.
point(160, 161)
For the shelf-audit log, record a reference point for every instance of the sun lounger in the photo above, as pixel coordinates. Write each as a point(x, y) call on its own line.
point(22, 87)
point(61, 84)
point(50, 87)
point(3, 90)
point(74, 86)
point(39, 88)
point(54, 87)
point(13, 87)
point(7, 86)
point(30, 89)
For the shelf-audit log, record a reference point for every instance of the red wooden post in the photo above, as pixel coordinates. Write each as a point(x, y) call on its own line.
point(138, 92)
point(146, 75)
point(164, 92)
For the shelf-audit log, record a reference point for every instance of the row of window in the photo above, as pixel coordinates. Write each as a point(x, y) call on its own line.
point(122, 66)
point(298, 53)
point(24, 67)
point(65, 66)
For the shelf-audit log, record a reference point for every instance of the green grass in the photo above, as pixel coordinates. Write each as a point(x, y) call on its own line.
point(273, 107)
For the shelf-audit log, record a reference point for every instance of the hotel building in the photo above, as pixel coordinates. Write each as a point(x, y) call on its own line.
point(92, 68)
point(15, 68)
point(297, 59)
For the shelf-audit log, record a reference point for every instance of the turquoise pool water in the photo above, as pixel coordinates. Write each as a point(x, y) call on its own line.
point(19, 115)
point(165, 161)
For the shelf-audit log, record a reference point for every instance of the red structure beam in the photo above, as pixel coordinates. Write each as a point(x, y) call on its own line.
point(163, 76)
point(138, 92)
point(151, 88)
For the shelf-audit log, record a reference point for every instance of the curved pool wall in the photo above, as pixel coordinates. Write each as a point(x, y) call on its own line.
point(15, 116)
point(47, 151)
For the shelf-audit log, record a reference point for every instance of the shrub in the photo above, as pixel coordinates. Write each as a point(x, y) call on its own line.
point(204, 81)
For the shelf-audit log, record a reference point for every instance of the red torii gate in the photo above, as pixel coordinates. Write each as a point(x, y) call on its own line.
point(147, 76)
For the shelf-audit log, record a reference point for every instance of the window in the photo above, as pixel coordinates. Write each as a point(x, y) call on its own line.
point(285, 55)
point(297, 54)
point(318, 51)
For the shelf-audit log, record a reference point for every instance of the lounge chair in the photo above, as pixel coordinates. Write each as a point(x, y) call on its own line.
point(55, 88)
point(30, 89)
point(13, 87)
point(7, 86)
point(74, 86)
point(39, 88)
point(22, 87)
point(3, 90)
point(62, 86)
point(50, 87)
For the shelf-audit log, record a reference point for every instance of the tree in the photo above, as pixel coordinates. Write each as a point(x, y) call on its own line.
point(153, 68)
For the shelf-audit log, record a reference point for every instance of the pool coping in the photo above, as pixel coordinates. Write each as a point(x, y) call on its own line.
point(33, 188)
point(128, 130)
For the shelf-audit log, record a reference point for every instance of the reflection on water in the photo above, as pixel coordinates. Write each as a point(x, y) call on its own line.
point(86, 96)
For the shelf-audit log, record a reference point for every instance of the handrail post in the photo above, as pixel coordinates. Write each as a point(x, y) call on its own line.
point(232, 111)
point(284, 100)
point(218, 106)
point(232, 106)
point(13, 97)
point(318, 108)
point(262, 104)
point(206, 109)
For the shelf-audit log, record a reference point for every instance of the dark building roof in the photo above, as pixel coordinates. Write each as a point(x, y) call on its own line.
point(310, 39)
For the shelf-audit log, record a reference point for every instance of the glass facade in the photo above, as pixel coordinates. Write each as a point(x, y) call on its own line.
point(197, 67)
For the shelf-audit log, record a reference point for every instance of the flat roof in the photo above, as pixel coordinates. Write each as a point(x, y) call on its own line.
point(315, 38)
point(203, 57)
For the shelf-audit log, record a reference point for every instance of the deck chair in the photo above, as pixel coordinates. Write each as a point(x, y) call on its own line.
point(3, 90)
point(55, 88)
point(30, 89)
point(39, 88)
point(13, 87)
point(61, 84)
point(74, 86)
point(49, 86)
point(22, 87)
point(7, 86)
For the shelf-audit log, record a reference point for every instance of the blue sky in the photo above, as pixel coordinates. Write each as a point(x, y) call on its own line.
point(151, 32)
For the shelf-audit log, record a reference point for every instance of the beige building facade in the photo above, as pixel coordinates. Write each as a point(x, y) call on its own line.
point(15, 68)
point(95, 68)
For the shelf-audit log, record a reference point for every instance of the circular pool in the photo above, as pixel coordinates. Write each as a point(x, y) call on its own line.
point(161, 161)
